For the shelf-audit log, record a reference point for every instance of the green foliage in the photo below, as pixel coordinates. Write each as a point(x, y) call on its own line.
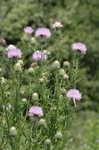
point(92, 138)
point(80, 19)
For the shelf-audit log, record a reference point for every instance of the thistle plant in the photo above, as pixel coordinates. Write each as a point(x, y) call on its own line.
point(35, 95)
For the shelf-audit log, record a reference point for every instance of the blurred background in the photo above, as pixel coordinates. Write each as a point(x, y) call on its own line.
point(80, 19)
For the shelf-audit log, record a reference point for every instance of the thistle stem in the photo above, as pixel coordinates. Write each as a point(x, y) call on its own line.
point(74, 102)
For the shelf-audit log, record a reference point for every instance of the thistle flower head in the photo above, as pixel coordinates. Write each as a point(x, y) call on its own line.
point(57, 25)
point(28, 30)
point(38, 55)
point(35, 110)
point(45, 32)
point(79, 46)
point(13, 52)
point(73, 94)
point(11, 47)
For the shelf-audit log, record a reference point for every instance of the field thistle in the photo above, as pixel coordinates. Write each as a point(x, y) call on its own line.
point(79, 47)
point(15, 52)
point(38, 55)
point(35, 111)
point(43, 32)
point(74, 94)
point(28, 30)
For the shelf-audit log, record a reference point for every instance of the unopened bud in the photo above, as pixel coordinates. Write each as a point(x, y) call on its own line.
point(58, 135)
point(47, 142)
point(66, 63)
point(42, 122)
point(65, 76)
point(20, 62)
point(13, 131)
point(35, 96)
point(30, 70)
point(55, 65)
point(61, 72)
point(24, 100)
point(33, 40)
point(18, 67)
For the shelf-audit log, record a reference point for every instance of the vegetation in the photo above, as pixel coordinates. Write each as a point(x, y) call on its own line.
point(46, 78)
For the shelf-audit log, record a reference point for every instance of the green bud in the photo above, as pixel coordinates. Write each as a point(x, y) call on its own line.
point(58, 135)
point(13, 131)
point(61, 72)
point(30, 70)
point(55, 65)
point(35, 96)
point(47, 142)
point(42, 122)
point(24, 100)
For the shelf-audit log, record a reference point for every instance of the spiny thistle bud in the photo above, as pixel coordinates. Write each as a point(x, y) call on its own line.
point(66, 63)
point(13, 131)
point(58, 135)
point(18, 67)
point(42, 122)
point(35, 96)
point(33, 40)
point(20, 62)
point(60, 97)
point(30, 70)
point(55, 65)
point(24, 100)
point(61, 72)
point(65, 76)
point(47, 142)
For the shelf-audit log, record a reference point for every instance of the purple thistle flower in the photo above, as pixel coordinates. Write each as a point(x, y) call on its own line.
point(43, 32)
point(79, 46)
point(57, 25)
point(11, 47)
point(35, 110)
point(28, 30)
point(14, 52)
point(73, 94)
point(38, 55)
